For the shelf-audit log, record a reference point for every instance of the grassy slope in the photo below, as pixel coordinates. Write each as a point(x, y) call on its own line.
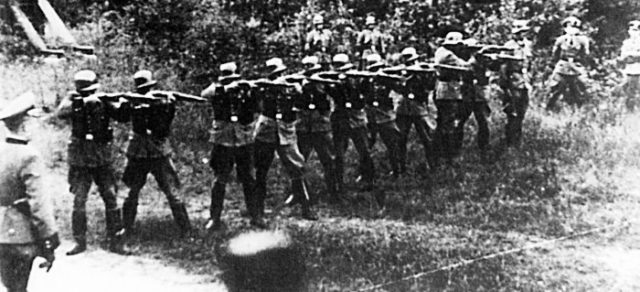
point(569, 175)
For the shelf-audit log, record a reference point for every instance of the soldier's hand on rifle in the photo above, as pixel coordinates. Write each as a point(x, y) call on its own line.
point(47, 251)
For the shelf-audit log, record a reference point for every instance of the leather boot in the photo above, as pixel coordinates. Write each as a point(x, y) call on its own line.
point(129, 211)
point(181, 217)
point(115, 232)
point(79, 229)
point(215, 212)
point(300, 191)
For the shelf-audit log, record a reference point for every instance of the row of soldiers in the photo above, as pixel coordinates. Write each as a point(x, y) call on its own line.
point(317, 109)
point(320, 108)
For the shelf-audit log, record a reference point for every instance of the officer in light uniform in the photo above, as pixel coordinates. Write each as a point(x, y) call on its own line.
point(149, 152)
point(276, 132)
point(314, 124)
point(319, 41)
point(234, 115)
point(630, 57)
point(448, 96)
point(570, 51)
point(515, 82)
point(27, 227)
point(89, 157)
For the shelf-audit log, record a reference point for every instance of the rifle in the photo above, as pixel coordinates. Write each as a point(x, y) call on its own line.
point(130, 96)
point(488, 48)
point(451, 67)
point(53, 52)
point(505, 57)
point(178, 95)
point(419, 68)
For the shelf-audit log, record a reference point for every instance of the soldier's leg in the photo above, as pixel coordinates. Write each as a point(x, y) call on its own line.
point(425, 134)
point(404, 125)
point(263, 155)
point(168, 181)
point(16, 261)
point(390, 135)
point(481, 111)
point(556, 87)
point(134, 177)
point(244, 167)
point(323, 144)
point(340, 142)
point(466, 109)
point(221, 163)
point(359, 137)
point(631, 88)
point(522, 103)
point(305, 144)
point(294, 164)
point(105, 180)
point(79, 180)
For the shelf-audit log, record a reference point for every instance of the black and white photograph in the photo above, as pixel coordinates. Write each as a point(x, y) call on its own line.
point(319, 145)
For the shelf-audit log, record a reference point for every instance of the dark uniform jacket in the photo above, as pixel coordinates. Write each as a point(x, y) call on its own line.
point(278, 115)
point(379, 104)
point(91, 131)
point(151, 128)
point(234, 112)
point(20, 179)
point(415, 96)
point(349, 103)
point(315, 110)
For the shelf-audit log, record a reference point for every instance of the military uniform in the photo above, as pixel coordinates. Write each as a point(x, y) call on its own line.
point(448, 99)
point(149, 152)
point(570, 52)
point(413, 110)
point(349, 121)
point(314, 129)
point(276, 132)
point(27, 228)
point(234, 116)
point(89, 158)
point(475, 100)
point(370, 41)
point(515, 86)
point(381, 116)
point(630, 57)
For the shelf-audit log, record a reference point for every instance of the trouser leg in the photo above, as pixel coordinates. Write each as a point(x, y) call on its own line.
point(294, 164)
point(135, 177)
point(264, 154)
point(244, 167)
point(404, 126)
point(340, 139)
point(323, 146)
point(425, 134)
point(79, 185)
point(359, 138)
point(222, 164)
point(446, 129)
point(557, 87)
point(390, 135)
point(466, 109)
point(166, 177)
point(481, 112)
point(15, 266)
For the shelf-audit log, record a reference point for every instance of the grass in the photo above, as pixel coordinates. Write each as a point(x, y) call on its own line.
point(569, 175)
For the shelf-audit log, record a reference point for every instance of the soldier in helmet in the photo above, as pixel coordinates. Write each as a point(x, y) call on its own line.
point(570, 52)
point(475, 96)
point(89, 157)
point(630, 57)
point(448, 96)
point(349, 121)
point(412, 109)
point(319, 41)
point(370, 41)
point(276, 132)
point(27, 229)
point(381, 115)
point(515, 82)
point(234, 116)
point(314, 124)
point(149, 152)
